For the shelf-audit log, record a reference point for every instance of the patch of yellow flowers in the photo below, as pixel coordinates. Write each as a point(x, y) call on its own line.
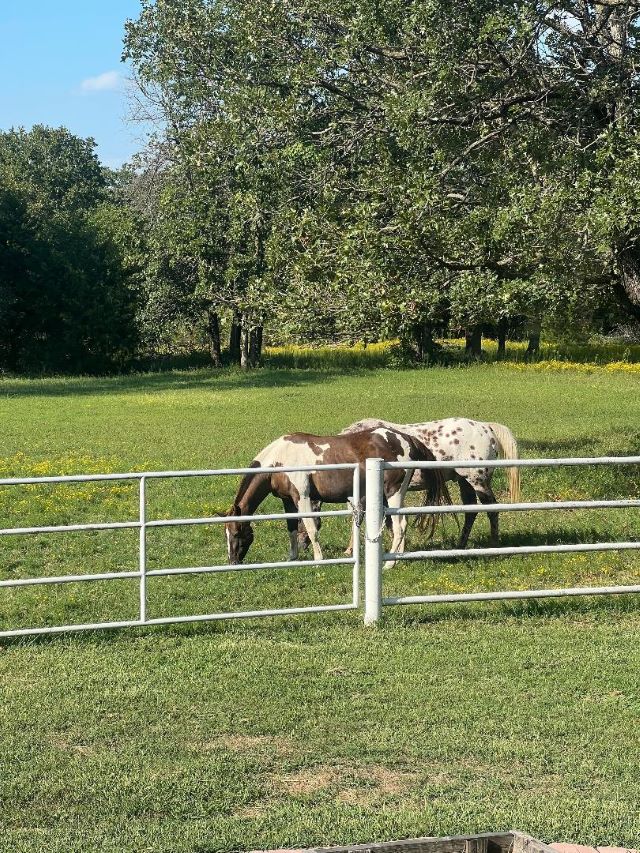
point(585, 358)
point(554, 364)
point(61, 500)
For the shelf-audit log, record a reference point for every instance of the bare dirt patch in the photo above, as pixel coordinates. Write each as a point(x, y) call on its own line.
point(354, 785)
point(279, 746)
point(307, 781)
point(76, 748)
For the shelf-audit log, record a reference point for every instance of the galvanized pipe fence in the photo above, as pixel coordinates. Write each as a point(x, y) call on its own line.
point(375, 556)
point(376, 512)
point(143, 524)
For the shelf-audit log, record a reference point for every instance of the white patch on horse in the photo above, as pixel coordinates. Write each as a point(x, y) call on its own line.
point(228, 535)
point(301, 454)
point(383, 431)
point(269, 456)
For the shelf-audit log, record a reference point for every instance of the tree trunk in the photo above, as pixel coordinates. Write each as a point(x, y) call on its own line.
point(533, 347)
point(626, 286)
point(213, 331)
point(235, 337)
point(255, 346)
point(423, 336)
point(502, 338)
point(473, 341)
point(244, 348)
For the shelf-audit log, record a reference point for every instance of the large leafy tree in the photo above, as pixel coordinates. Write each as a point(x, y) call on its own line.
point(408, 163)
point(67, 295)
point(224, 180)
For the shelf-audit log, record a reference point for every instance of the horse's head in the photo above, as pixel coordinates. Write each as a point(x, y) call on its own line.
point(239, 537)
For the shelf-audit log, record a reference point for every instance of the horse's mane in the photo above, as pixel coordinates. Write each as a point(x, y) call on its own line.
point(265, 459)
point(245, 482)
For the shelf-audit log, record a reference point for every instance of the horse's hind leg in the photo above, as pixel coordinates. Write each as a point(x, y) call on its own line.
point(468, 495)
point(398, 522)
point(311, 526)
point(303, 536)
point(487, 497)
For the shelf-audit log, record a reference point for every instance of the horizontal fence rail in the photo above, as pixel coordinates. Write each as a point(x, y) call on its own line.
point(515, 507)
point(143, 524)
point(516, 463)
point(156, 475)
point(375, 522)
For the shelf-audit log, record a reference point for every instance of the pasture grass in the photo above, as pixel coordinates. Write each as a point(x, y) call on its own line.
point(311, 730)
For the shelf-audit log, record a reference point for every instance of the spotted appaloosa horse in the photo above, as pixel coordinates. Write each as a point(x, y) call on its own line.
point(299, 489)
point(461, 438)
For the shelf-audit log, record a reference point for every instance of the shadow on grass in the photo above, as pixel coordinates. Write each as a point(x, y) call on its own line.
point(516, 539)
point(521, 609)
point(577, 445)
point(310, 628)
point(212, 380)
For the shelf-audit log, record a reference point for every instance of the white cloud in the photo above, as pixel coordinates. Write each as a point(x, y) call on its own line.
point(107, 82)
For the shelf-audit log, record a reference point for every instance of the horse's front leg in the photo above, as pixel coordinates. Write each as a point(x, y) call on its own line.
point(292, 527)
point(305, 505)
point(398, 522)
point(349, 550)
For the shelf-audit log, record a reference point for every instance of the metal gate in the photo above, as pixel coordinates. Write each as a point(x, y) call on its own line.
point(375, 519)
point(143, 524)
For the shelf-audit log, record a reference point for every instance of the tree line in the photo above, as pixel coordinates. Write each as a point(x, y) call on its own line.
point(338, 171)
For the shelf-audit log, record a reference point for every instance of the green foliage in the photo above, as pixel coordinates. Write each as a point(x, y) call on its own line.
point(67, 283)
point(55, 170)
point(367, 169)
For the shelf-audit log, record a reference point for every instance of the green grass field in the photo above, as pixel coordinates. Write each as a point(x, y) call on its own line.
point(312, 730)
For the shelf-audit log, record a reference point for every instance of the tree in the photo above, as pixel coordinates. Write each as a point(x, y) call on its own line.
point(68, 296)
point(389, 167)
point(224, 182)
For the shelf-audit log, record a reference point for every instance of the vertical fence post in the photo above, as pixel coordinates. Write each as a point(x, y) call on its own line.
point(143, 550)
point(373, 541)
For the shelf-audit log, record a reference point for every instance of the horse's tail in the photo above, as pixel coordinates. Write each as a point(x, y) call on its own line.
point(508, 449)
point(435, 494)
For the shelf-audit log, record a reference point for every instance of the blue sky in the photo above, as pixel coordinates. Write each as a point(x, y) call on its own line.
point(60, 65)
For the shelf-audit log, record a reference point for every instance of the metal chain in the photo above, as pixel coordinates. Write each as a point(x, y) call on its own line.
point(358, 517)
point(375, 539)
point(357, 512)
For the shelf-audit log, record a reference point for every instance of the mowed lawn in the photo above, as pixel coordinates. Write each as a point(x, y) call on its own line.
point(311, 730)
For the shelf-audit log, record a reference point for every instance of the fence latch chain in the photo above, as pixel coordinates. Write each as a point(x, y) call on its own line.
point(375, 539)
point(357, 512)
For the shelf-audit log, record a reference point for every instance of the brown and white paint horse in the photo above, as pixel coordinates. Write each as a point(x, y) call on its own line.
point(461, 438)
point(300, 490)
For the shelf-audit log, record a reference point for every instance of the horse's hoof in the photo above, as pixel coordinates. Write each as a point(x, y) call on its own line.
point(348, 552)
